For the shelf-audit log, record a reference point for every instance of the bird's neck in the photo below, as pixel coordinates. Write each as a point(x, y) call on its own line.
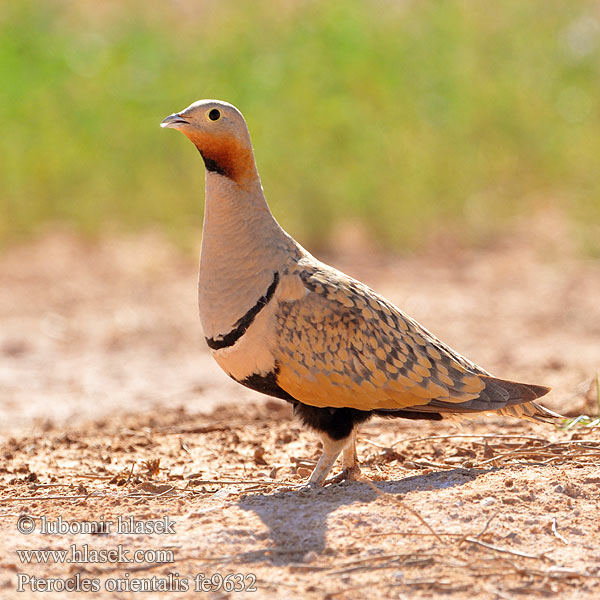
point(236, 217)
point(242, 245)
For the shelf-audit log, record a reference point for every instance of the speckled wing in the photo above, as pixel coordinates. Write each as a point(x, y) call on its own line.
point(342, 345)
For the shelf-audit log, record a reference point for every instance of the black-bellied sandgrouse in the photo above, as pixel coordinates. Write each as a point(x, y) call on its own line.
point(279, 321)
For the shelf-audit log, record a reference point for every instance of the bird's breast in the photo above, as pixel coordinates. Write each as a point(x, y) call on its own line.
point(249, 350)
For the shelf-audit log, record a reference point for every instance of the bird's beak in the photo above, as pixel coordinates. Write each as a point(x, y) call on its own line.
point(174, 121)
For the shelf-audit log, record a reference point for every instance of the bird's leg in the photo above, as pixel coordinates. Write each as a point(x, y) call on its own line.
point(350, 464)
point(350, 468)
point(331, 450)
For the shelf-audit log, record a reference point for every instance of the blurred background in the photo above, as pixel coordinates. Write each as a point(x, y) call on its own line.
point(447, 153)
point(408, 119)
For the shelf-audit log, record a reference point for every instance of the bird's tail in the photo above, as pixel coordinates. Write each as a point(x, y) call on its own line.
point(518, 399)
point(499, 396)
point(532, 411)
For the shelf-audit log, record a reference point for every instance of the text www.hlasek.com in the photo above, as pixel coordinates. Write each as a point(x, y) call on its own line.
point(84, 554)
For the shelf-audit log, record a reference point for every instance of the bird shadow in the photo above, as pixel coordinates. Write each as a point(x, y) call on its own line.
point(297, 521)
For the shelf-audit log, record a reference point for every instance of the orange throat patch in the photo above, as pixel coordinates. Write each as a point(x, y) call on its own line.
point(226, 156)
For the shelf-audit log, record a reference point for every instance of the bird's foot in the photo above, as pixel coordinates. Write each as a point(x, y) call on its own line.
point(300, 488)
point(347, 474)
point(282, 489)
point(310, 487)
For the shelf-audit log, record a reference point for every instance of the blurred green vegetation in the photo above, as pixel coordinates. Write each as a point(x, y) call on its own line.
point(410, 117)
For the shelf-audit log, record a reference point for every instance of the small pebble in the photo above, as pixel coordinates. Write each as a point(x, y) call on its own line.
point(223, 493)
point(488, 501)
point(259, 456)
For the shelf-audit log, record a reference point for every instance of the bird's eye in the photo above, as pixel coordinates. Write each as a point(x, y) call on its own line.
point(214, 115)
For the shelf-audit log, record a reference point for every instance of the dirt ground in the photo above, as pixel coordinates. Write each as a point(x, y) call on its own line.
point(112, 408)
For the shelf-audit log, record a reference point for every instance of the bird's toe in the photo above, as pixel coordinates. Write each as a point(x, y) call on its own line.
point(309, 488)
point(347, 474)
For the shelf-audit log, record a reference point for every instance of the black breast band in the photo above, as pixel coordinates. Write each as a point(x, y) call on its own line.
point(242, 324)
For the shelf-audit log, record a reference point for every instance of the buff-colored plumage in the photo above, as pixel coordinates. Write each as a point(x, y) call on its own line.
point(281, 322)
point(343, 345)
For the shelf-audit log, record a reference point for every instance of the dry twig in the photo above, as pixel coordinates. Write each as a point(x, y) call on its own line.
point(558, 535)
point(542, 555)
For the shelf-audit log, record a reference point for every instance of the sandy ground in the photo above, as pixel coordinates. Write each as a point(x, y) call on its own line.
point(111, 407)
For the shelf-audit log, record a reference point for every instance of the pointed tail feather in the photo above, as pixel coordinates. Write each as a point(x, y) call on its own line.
point(518, 399)
point(500, 396)
point(531, 411)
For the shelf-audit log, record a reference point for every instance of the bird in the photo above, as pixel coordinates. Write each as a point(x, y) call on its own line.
point(285, 324)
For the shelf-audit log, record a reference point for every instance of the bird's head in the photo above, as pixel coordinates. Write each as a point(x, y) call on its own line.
point(219, 131)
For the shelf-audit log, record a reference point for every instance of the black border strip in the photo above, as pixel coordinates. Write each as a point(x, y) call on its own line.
point(242, 324)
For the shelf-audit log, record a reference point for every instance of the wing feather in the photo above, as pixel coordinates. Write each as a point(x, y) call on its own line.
point(341, 344)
